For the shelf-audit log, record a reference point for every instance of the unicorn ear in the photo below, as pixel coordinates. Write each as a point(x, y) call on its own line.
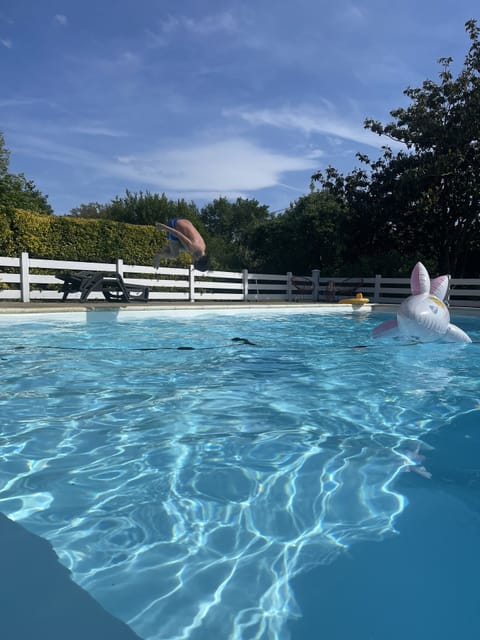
point(419, 280)
point(439, 287)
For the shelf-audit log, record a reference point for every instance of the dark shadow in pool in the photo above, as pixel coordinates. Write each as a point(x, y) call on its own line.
point(38, 599)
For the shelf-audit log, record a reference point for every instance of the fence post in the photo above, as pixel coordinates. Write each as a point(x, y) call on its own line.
point(377, 288)
point(315, 285)
point(289, 286)
point(24, 277)
point(191, 283)
point(120, 267)
point(245, 284)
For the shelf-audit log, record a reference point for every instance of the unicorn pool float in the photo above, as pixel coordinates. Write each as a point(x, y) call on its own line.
point(423, 316)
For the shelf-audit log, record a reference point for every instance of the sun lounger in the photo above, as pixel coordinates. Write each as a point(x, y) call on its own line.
point(111, 284)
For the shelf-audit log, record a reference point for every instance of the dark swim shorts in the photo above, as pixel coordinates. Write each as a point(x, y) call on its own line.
point(172, 222)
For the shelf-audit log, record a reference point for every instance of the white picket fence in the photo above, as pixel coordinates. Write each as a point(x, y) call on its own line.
point(26, 279)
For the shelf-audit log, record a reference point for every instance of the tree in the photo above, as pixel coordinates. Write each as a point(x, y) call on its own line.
point(442, 129)
point(147, 208)
point(19, 192)
point(231, 227)
point(90, 210)
point(425, 200)
point(306, 236)
point(372, 233)
point(231, 220)
point(16, 191)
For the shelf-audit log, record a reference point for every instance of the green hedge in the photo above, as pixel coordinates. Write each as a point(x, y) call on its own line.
point(89, 240)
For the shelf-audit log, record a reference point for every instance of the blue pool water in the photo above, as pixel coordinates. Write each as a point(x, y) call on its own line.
point(252, 476)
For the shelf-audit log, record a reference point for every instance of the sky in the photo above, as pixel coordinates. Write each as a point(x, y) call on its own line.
point(201, 99)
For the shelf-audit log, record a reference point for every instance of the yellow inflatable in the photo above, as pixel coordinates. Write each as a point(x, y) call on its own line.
point(359, 299)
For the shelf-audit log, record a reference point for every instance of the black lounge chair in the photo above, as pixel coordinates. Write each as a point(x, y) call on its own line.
point(111, 284)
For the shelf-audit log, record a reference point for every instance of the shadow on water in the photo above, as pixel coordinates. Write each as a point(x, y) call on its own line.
point(422, 583)
point(39, 600)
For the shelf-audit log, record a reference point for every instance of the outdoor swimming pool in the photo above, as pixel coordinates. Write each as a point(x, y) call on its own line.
point(224, 476)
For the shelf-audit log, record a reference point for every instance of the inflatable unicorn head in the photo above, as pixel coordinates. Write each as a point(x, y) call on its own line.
point(423, 316)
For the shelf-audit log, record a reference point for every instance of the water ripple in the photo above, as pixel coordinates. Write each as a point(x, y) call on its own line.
point(184, 489)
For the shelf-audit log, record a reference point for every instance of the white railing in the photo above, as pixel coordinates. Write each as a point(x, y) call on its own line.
point(28, 279)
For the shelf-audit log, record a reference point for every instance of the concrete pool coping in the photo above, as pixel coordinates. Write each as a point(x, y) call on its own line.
point(17, 308)
point(42, 307)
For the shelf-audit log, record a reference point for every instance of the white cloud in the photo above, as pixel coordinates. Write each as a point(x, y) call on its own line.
point(312, 120)
point(98, 130)
point(111, 72)
point(353, 15)
point(14, 102)
point(386, 71)
point(27, 102)
point(211, 24)
point(60, 19)
point(314, 154)
point(6, 42)
point(230, 165)
point(46, 149)
point(205, 26)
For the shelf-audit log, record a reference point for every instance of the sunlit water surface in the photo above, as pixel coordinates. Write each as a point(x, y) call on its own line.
point(186, 470)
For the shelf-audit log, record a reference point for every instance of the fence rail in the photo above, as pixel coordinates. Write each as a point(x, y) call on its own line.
point(27, 279)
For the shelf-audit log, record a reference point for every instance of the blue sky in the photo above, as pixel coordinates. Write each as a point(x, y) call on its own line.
point(205, 98)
